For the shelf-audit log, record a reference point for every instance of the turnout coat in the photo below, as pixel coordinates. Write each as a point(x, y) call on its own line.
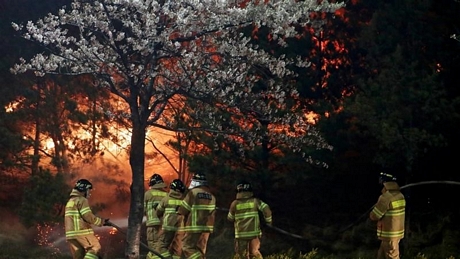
point(78, 216)
point(389, 212)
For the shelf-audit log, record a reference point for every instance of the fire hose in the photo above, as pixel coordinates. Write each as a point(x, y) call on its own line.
point(272, 227)
point(363, 215)
point(366, 214)
point(288, 233)
point(119, 229)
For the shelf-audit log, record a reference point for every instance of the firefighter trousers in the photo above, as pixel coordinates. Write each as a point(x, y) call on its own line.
point(169, 245)
point(194, 245)
point(153, 234)
point(248, 248)
point(84, 247)
point(389, 249)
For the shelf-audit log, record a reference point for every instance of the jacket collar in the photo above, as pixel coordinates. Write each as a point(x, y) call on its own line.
point(391, 186)
point(244, 195)
point(76, 193)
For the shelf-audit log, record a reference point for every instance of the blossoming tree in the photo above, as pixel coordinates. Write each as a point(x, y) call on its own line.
point(153, 54)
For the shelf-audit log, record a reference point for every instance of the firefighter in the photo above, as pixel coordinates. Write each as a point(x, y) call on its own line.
point(389, 212)
point(152, 198)
point(79, 220)
point(244, 213)
point(198, 208)
point(170, 241)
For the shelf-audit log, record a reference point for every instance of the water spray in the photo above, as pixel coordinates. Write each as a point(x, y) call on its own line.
point(119, 229)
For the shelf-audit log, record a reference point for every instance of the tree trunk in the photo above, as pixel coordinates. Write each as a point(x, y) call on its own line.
point(36, 155)
point(136, 210)
point(265, 156)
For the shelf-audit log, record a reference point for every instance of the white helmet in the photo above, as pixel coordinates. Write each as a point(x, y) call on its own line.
point(198, 179)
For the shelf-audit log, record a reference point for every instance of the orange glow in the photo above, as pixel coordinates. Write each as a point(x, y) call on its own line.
point(115, 149)
point(113, 231)
point(11, 107)
point(340, 13)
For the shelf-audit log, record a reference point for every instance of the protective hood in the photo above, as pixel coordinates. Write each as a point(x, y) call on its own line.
point(76, 192)
point(175, 194)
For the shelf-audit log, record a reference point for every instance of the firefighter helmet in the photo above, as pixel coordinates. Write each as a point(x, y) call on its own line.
point(155, 179)
point(83, 185)
point(177, 185)
point(244, 186)
point(198, 179)
point(384, 177)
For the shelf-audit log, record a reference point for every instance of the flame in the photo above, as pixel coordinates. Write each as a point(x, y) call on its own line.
point(113, 231)
point(11, 107)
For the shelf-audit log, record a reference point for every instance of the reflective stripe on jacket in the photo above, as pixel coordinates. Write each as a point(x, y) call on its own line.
point(390, 212)
point(78, 216)
point(244, 212)
point(168, 210)
point(198, 208)
point(152, 198)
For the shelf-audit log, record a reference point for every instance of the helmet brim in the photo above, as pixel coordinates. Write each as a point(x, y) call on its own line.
point(197, 183)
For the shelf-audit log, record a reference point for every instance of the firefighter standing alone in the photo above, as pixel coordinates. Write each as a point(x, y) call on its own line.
point(389, 212)
point(244, 213)
point(79, 220)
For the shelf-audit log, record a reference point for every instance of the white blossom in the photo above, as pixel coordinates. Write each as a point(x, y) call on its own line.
point(191, 48)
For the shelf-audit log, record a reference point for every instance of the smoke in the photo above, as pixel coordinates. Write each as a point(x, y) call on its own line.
point(11, 230)
point(111, 179)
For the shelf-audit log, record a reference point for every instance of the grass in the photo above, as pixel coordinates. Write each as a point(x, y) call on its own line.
point(15, 250)
point(17, 243)
point(20, 250)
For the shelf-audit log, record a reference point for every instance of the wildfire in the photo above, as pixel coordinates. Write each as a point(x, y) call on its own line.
point(12, 106)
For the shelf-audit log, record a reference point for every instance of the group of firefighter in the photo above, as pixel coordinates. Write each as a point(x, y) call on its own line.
point(180, 220)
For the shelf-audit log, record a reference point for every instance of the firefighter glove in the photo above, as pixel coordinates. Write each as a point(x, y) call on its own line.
point(107, 222)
